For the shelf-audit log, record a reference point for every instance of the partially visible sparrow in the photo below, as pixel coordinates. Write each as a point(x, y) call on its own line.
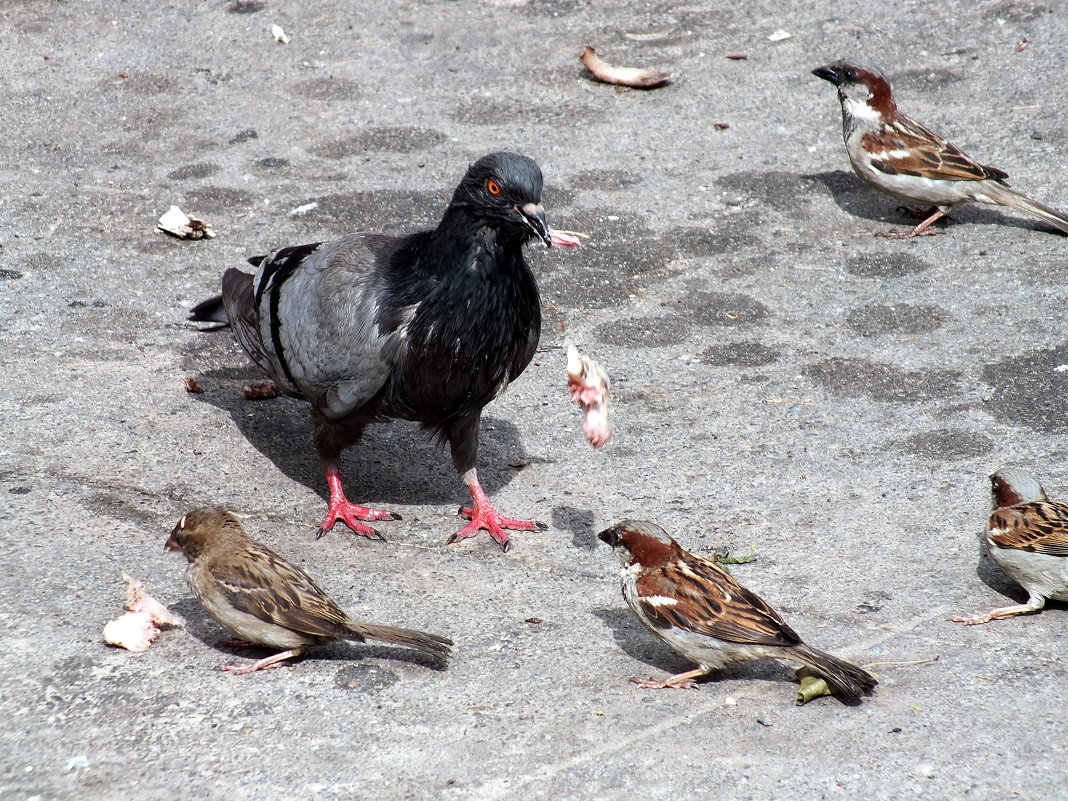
point(899, 156)
point(1028, 539)
point(262, 599)
point(705, 615)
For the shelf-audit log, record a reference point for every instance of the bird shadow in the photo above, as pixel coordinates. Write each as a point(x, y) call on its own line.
point(579, 522)
point(637, 643)
point(397, 463)
point(203, 628)
point(856, 198)
point(992, 576)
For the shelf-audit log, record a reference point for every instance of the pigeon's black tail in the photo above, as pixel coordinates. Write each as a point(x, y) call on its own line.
point(210, 311)
point(848, 680)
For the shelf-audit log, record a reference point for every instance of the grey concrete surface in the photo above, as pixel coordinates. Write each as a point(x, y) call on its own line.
point(787, 385)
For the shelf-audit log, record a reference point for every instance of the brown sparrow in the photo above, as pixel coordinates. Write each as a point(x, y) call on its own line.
point(899, 156)
point(705, 615)
point(1028, 539)
point(259, 597)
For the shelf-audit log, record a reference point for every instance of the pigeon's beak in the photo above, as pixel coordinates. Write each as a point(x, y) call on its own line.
point(828, 73)
point(533, 214)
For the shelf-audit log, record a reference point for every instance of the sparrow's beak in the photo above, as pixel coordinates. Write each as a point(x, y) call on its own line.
point(533, 214)
point(610, 536)
point(172, 541)
point(828, 73)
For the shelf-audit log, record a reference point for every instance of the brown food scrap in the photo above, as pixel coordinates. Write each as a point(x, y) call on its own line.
point(183, 226)
point(1022, 44)
point(192, 384)
point(737, 56)
point(587, 385)
point(721, 126)
point(622, 76)
point(260, 390)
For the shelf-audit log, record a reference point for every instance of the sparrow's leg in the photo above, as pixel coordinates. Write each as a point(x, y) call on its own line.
point(263, 664)
point(923, 229)
point(350, 513)
point(680, 681)
point(1034, 603)
point(483, 515)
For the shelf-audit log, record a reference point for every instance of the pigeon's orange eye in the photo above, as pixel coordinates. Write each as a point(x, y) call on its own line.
point(493, 187)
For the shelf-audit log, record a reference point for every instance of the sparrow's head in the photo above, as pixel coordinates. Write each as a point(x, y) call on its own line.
point(1011, 486)
point(860, 84)
point(641, 542)
point(505, 188)
point(202, 528)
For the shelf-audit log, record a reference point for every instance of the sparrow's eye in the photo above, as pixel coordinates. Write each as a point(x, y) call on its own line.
point(181, 523)
point(493, 187)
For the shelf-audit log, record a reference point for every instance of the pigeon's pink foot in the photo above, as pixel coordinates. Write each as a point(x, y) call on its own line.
point(350, 513)
point(483, 516)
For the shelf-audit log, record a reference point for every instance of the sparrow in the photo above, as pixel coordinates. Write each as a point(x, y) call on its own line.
point(262, 599)
point(1028, 539)
point(704, 614)
point(902, 158)
point(428, 327)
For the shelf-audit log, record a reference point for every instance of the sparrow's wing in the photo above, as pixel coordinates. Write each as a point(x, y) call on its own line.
point(904, 147)
point(261, 583)
point(1038, 526)
point(696, 595)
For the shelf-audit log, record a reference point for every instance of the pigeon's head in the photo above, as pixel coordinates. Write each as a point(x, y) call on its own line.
point(505, 188)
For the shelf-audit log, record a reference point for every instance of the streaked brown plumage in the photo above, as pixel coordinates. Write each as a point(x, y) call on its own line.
point(259, 597)
point(897, 155)
point(703, 613)
point(1028, 539)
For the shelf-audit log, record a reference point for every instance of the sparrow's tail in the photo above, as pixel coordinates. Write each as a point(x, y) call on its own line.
point(847, 679)
point(427, 643)
point(1010, 197)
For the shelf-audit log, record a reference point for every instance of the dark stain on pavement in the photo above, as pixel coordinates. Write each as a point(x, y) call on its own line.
point(389, 138)
point(740, 354)
point(644, 332)
point(727, 309)
point(899, 318)
point(949, 444)
point(860, 377)
point(1031, 389)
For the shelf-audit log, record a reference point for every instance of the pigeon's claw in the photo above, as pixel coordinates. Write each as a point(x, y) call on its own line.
point(484, 516)
point(350, 514)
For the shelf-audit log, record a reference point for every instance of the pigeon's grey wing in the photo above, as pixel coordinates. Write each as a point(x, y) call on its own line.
point(319, 308)
point(239, 302)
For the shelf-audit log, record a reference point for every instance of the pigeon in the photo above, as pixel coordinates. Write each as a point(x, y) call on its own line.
point(428, 327)
point(258, 596)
